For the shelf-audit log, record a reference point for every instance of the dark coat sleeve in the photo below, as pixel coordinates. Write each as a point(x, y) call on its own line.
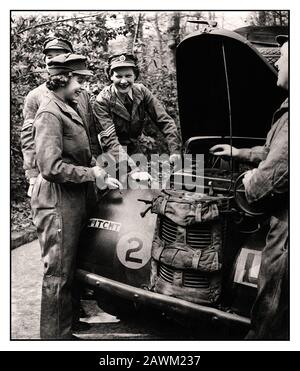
point(91, 125)
point(107, 132)
point(164, 122)
point(31, 106)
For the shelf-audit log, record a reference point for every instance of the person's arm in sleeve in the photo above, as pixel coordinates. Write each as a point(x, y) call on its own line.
point(254, 155)
point(107, 135)
point(27, 142)
point(94, 143)
point(164, 122)
point(271, 176)
point(48, 138)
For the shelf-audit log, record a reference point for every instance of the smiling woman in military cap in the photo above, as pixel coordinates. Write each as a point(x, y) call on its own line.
point(60, 195)
point(121, 108)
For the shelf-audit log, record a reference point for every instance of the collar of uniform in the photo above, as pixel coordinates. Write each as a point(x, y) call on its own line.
point(281, 111)
point(66, 108)
point(118, 106)
point(284, 107)
point(130, 94)
point(285, 104)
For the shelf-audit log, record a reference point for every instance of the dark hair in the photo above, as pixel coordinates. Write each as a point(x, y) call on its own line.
point(110, 71)
point(58, 81)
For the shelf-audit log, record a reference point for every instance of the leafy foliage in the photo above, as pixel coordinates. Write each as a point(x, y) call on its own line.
point(90, 36)
point(153, 37)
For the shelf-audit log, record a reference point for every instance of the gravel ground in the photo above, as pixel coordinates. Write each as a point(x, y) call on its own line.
point(25, 310)
point(26, 282)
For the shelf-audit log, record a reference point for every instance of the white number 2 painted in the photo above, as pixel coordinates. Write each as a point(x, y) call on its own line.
point(134, 250)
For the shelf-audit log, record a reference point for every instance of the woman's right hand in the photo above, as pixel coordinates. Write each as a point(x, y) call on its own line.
point(99, 173)
point(224, 150)
point(113, 183)
point(103, 180)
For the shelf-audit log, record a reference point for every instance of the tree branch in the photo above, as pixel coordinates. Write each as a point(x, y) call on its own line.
point(57, 21)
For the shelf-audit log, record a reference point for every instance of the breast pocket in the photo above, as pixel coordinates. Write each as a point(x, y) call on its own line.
point(73, 130)
point(75, 140)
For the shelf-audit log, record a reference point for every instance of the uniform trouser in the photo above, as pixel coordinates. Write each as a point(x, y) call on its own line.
point(59, 213)
point(270, 313)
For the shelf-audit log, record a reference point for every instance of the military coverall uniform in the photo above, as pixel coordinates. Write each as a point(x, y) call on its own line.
point(59, 203)
point(270, 180)
point(119, 126)
point(31, 105)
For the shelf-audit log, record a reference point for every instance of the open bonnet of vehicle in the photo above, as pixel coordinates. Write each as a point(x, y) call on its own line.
point(227, 93)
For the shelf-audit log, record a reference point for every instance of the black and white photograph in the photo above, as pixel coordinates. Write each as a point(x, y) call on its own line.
point(149, 176)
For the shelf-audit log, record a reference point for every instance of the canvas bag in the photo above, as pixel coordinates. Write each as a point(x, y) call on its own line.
point(188, 210)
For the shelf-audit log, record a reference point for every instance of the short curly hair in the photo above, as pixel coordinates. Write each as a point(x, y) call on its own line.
point(58, 81)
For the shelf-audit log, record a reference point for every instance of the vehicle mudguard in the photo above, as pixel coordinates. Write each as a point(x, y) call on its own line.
point(117, 240)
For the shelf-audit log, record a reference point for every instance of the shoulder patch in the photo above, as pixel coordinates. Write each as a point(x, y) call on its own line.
point(105, 93)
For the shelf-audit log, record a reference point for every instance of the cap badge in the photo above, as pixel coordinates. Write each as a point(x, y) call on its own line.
point(122, 58)
point(54, 42)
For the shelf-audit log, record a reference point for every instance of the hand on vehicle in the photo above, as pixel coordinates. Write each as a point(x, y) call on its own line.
point(113, 183)
point(31, 185)
point(103, 180)
point(224, 150)
point(99, 172)
point(175, 159)
point(141, 176)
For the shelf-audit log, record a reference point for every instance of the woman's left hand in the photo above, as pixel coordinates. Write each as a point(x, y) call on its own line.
point(113, 183)
point(175, 159)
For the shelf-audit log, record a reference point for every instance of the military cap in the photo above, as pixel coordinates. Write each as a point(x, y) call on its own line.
point(122, 60)
point(281, 39)
point(74, 63)
point(57, 43)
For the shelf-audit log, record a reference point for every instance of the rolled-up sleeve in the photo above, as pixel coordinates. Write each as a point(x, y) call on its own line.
point(254, 155)
point(48, 139)
point(271, 176)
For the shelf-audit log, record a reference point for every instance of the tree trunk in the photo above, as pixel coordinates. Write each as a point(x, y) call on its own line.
point(130, 27)
point(160, 40)
point(262, 18)
point(174, 36)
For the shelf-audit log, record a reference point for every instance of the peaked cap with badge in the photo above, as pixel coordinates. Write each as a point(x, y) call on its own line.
point(57, 43)
point(63, 63)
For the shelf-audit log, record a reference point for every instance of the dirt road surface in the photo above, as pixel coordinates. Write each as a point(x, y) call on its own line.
point(25, 307)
